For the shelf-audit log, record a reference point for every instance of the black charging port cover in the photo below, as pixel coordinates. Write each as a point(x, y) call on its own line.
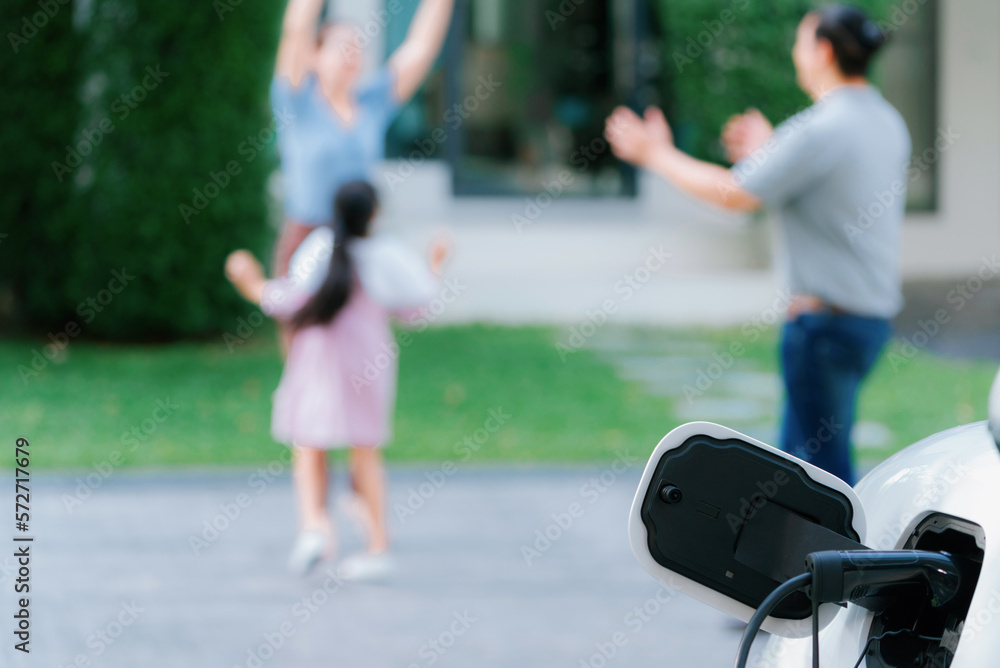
point(740, 520)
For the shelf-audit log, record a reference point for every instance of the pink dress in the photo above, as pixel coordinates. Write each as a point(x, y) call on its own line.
point(338, 387)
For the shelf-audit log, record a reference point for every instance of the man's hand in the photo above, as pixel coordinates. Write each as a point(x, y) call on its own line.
point(657, 128)
point(745, 133)
point(629, 137)
point(648, 143)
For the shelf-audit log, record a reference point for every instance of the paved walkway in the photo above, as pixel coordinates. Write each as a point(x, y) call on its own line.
point(464, 594)
point(742, 395)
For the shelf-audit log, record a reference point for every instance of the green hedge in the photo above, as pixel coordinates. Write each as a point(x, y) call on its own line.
point(143, 199)
point(39, 58)
point(720, 57)
point(163, 170)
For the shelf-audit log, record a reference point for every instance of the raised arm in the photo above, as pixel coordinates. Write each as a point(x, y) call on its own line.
point(648, 143)
point(413, 59)
point(298, 39)
point(246, 274)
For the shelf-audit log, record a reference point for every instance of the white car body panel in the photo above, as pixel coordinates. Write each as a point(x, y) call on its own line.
point(955, 472)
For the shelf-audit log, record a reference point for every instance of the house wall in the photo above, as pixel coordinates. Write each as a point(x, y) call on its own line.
point(720, 269)
point(953, 241)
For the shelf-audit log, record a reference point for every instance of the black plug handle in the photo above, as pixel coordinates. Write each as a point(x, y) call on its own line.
point(841, 576)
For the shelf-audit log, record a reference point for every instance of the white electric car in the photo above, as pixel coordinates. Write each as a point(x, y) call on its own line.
point(901, 571)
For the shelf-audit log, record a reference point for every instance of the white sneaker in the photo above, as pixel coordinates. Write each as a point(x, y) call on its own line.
point(309, 549)
point(367, 567)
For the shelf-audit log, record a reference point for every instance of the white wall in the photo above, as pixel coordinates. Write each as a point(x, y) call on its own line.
point(947, 243)
point(966, 227)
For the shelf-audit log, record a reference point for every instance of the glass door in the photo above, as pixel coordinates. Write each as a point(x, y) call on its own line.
point(528, 86)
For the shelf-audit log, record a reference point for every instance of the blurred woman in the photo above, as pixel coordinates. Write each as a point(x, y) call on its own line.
point(338, 126)
point(835, 173)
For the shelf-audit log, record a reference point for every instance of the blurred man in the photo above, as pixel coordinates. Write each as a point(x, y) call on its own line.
point(835, 173)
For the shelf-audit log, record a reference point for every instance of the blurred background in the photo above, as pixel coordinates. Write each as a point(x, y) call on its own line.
point(138, 151)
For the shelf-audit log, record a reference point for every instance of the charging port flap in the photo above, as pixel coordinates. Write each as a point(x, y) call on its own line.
point(725, 519)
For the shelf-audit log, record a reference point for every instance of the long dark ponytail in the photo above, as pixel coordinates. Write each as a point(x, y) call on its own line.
point(353, 209)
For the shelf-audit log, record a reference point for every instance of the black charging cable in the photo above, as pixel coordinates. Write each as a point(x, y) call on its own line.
point(767, 606)
point(887, 634)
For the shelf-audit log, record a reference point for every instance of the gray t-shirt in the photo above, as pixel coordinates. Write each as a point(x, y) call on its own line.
point(836, 173)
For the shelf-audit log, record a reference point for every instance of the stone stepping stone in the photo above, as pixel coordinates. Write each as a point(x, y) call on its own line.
point(725, 411)
point(870, 435)
point(757, 384)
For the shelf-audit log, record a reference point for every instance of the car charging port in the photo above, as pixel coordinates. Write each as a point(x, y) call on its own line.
point(883, 581)
point(909, 631)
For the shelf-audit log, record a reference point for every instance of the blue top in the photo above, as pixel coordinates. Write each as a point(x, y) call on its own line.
point(319, 152)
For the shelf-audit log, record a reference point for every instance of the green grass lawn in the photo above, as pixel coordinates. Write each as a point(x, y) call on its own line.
point(913, 395)
point(104, 399)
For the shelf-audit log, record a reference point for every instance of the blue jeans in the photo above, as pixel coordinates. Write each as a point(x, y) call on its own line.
point(824, 359)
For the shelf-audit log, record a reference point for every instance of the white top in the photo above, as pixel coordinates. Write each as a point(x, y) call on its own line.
point(391, 274)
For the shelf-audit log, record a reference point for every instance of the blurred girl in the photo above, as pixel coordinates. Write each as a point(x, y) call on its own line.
point(343, 286)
